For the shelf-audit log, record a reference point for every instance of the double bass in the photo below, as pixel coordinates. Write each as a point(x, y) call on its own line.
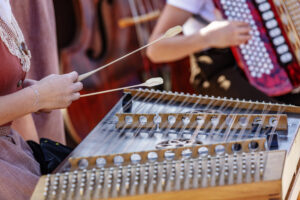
point(90, 35)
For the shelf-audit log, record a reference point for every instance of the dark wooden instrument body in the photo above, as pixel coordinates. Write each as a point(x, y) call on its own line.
point(96, 40)
point(88, 37)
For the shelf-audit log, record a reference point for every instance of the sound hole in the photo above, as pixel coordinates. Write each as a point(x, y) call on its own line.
point(253, 146)
point(175, 143)
point(236, 147)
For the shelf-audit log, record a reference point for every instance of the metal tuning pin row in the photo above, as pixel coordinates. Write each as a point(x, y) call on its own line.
point(205, 100)
point(149, 178)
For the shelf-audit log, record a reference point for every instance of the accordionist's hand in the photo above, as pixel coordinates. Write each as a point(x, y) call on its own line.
point(222, 34)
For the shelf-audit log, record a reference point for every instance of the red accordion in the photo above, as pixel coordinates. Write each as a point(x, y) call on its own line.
point(271, 58)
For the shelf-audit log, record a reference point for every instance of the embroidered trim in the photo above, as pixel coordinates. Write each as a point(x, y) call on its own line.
point(13, 39)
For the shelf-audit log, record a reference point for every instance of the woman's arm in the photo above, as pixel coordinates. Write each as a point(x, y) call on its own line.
point(217, 34)
point(52, 92)
point(26, 128)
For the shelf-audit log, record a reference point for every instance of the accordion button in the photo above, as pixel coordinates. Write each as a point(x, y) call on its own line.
point(278, 40)
point(285, 58)
point(282, 49)
point(264, 7)
point(259, 1)
point(271, 24)
point(275, 32)
point(268, 15)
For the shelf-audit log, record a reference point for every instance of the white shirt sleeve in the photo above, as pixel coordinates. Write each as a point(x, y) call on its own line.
point(193, 6)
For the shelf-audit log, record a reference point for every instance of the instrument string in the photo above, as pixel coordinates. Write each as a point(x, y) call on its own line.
point(207, 126)
point(137, 8)
point(234, 129)
point(171, 102)
point(229, 133)
point(235, 109)
point(249, 112)
point(135, 138)
point(224, 106)
point(210, 105)
point(168, 125)
point(138, 28)
point(265, 110)
point(122, 132)
point(163, 125)
point(209, 134)
point(140, 107)
point(106, 126)
point(150, 9)
point(179, 135)
point(272, 135)
point(280, 110)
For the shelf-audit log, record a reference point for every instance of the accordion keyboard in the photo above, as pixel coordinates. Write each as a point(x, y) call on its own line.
point(271, 58)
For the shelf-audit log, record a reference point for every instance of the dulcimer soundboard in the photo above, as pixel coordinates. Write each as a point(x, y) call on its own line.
point(164, 145)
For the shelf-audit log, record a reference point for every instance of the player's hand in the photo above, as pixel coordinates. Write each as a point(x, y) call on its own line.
point(222, 34)
point(57, 91)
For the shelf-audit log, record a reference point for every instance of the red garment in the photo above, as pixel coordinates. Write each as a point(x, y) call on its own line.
point(11, 72)
point(19, 170)
point(37, 22)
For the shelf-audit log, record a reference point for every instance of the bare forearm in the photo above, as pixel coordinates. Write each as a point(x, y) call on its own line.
point(16, 105)
point(176, 48)
point(26, 128)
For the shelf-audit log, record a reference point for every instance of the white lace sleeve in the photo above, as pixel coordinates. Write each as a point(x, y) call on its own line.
point(13, 38)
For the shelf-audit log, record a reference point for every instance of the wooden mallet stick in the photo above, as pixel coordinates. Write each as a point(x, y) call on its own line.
point(169, 33)
point(149, 83)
